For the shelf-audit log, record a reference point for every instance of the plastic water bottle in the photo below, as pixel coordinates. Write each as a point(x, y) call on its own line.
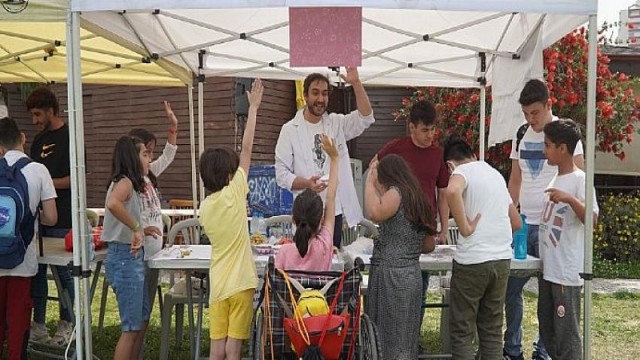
point(520, 240)
point(253, 225)
point(262, 225)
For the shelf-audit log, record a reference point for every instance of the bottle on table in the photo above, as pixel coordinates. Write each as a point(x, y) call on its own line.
point(520, 240)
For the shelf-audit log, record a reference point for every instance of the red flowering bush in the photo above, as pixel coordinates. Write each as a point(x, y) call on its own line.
point(616, 109)
point(565, 65)
point(459, 113)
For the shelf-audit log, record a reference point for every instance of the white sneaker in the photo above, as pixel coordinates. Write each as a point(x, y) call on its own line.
point(39, 333)
point(63, 334)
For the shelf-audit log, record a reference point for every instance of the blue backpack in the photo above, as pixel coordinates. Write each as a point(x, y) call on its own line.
point(16, 219)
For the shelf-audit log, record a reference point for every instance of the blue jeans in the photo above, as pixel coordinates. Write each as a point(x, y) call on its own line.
point(126, 274)
point(514, 305)
point(40, 287)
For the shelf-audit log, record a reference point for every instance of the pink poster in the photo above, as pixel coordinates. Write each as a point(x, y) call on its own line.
point(325, 36)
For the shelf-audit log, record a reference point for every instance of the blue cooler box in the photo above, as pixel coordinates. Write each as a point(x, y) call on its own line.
point(265, 195)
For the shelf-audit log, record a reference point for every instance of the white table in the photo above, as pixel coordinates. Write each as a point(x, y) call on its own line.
point(54, 254)
point(171, 258)
point(168, 212)
point(441, 259)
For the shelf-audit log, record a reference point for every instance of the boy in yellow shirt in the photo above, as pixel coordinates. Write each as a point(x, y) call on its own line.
point(223, 217)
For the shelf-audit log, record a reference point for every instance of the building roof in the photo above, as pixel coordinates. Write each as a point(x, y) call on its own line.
point(623, 51)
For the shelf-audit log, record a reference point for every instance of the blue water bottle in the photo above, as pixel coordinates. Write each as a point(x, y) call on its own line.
point(520, 240)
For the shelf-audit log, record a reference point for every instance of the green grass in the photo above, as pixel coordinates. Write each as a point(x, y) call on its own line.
point(615, 328)
point(606, 269)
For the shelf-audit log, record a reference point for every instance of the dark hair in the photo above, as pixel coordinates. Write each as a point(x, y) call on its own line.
point(9, 133)
point(534, 91)
point(424, 112)
point(311, 78)
point(307, 214)
point(126, 162)
point(457, 149)
point(217, 165)
point(147, 137)
point(43, 98)
point(393, 171)
point(563, 131)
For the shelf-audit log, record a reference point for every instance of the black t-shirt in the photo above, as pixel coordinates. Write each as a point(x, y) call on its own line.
point(51, 148)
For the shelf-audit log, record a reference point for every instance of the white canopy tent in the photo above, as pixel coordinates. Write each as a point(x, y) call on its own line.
point(33, 48)
point(412, 42)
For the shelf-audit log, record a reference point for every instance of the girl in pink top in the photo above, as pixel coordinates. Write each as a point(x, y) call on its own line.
point(312, 249)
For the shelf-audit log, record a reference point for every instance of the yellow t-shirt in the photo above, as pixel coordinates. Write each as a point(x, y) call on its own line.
point(223, 216)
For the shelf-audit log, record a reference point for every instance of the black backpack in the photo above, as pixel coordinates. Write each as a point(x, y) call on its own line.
point(16, 219)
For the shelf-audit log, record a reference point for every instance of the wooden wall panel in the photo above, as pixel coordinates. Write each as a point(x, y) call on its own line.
point(385, 101)
point(111, 111)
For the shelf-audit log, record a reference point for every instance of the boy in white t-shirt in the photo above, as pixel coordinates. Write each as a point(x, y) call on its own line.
point(530, 175)
point(562, 244)
point(15, 282)
point(483, 253)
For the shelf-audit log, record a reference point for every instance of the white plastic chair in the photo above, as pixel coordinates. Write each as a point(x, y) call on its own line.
point(453, 234)
point(189, 229)
point(364, 228)
point(280, 222)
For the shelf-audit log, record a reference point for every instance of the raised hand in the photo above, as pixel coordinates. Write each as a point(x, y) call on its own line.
point(329, 147)
point(173, 120)
point(352, 76)
point(255, 95)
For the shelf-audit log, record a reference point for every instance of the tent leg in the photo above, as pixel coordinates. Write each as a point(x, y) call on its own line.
point(590, 166)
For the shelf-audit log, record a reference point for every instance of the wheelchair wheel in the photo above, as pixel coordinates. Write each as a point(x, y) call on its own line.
point(368, 345)
point(255, 343)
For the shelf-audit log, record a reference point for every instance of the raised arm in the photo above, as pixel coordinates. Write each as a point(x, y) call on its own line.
point(255, 97)
point(380, 204)
point(362, 99)
point(172, 129)
point(330, 204)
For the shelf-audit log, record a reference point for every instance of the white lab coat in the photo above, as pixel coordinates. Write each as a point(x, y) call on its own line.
point(293, 160)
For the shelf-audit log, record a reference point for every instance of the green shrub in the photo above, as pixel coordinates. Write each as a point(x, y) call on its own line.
point(616, 236)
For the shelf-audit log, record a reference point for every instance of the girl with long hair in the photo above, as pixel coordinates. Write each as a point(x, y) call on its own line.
point(123, 232)
point(313, 241)
point(394, 199)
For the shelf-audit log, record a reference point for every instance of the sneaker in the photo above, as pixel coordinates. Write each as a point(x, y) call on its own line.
point(512, 357)
point(39, 333)
point(63, 334)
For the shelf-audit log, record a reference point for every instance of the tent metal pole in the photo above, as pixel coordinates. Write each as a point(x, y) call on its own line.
point(201, 114)
point(78, 190)
point(589, 191)
point(483, 112)
point(192, 144)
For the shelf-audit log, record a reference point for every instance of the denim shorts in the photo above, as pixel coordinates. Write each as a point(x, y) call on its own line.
point(126, 274)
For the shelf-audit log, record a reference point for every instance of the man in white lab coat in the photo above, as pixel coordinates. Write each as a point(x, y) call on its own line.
point(300, 161)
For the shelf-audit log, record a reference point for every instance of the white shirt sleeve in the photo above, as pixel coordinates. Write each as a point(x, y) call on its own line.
point(284, 159)
point(354, 123)
point(161, 164)
point(578, 150)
